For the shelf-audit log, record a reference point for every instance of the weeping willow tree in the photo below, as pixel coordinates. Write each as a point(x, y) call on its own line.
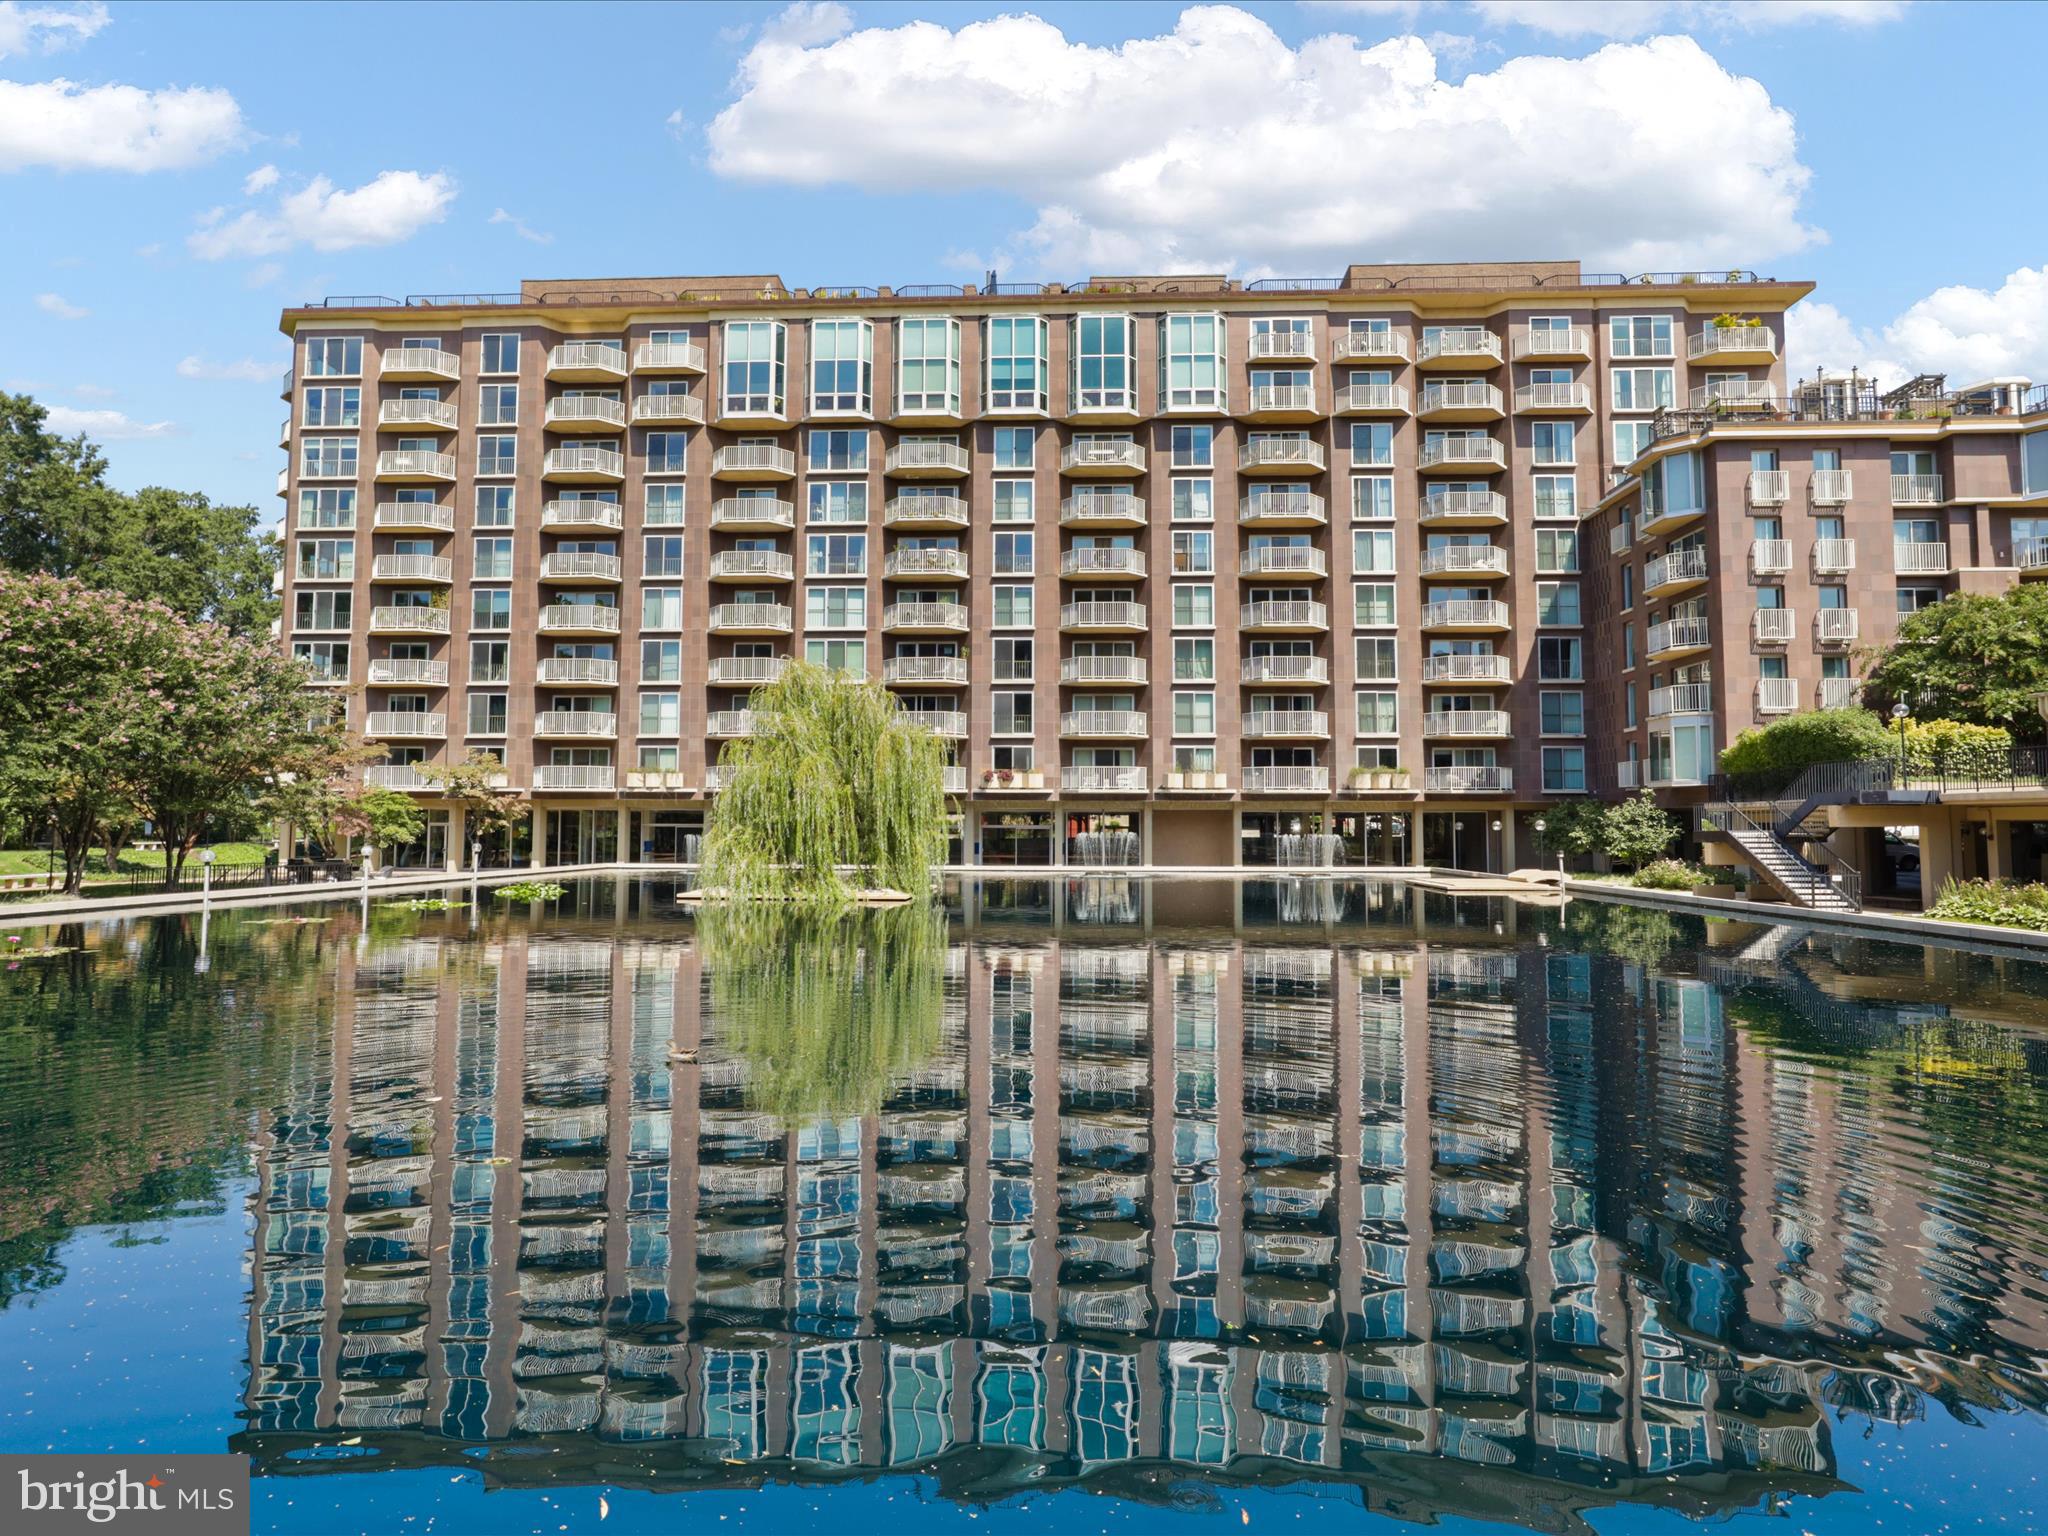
point(836, 788)
point(827, 1008)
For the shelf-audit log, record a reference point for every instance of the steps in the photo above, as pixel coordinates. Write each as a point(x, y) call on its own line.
point(1790, 875)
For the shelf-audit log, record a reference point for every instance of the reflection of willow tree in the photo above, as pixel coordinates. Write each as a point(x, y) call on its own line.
point(826, 1008)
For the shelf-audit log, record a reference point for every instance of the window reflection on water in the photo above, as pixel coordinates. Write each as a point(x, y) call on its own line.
point(1487, 1209)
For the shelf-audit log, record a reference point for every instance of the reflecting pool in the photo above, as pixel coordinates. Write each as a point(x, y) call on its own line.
point(1086, 1204)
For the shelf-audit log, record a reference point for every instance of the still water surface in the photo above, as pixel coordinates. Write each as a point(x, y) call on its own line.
point(1090, 1205)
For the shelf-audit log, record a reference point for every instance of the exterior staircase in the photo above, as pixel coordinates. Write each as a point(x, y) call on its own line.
point(1787, 873)
point(1767, 839)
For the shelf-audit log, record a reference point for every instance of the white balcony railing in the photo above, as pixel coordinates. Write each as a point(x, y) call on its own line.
point(589, 723)
point(439, 414)
point(1459, 395)
point(1271, 453)
point(585, 410)
point(752, 565)
point(1112, 509)
point(912, 456)
point(1283, 560)
point(1281, 346)
point(1364, 346)
point(560, 514)
point(1466, 722)
point(1100, 779)
point(1284, 613)
point(1470, 779)
point(656, 409)
point(1465, 559)
point(408, 619)
point(1681, 699)
point(1832, 557)
point(1101, 560)
point(1111, 455)
point(1916, 490)
point(730, 722)
point(745, 671)
point(567, 776)
point(1718, 341)
point(1770, 487)
point(1830, 487)
point(1462, 452)
point(2030, 554)
point(1272, 506)
point(594, 671)
point(1456, 504)
point(585, 618)
point(1359, 395)
point(1770, 557)
point(667, 356)
point(414, 514)
point(1459, 343)
point(600, 463)
point(415, 464)
point(1467, 669)
point(400, 671)
point(753, 459)
point(1271, 724)
point(400, 776)
point(1838, 692)
point(1773, 626)
point(1103, 669)
point(1110, 614)
point(1263, 671)
point(757, 513)
point(1103, 722)
point(434, 568)
point(1279, 399)
point(949, 617)
point(587, 357)
point(925, 669)
point(1288, 779)
point(902, 562)
point(928, 509)
point(949, 723)
point(1560, 341)
point(748, 617)
point(405, 724)
point(1834, 626)
point(1553, 397)
point(579, 565)
point(1678, 635)
point(1675, 569)
point(431, 361)
point(1776, 695)
point(1464, 613)
point(1920, 559)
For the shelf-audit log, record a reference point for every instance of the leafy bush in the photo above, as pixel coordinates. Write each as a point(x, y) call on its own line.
point(530, 890)
point(1774, 754)
point(2004, 903)
point(1957, 748)
point(1637, 830)
point(1572, 826)
point(1672, 875)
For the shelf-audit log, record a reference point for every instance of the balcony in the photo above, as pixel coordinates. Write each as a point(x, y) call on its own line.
point(425, 516)
point(1770, 557)
point(1553, 397)
point(1284, 725)
point(1833, 557)
point(1460, 400)
point(1677, 637)
point(1104, 724)
point(1664, 519)
point(1361, 399)
point(2030, 555)
point(911, 460)
point(1467, 670)
point(408, 671)
point(1462, 455)
point(584, 465)
point(1281, 347)
point(753, 461)
point(586, 362)
point(573, 671)
point(1103, 509)
point(1091, 779)
point(1737, 344)
point(1917, 559)
point(1681, 699)
point(1770, 487)
point(581, 568)
point(416, 777)
point(401, 365)
point(730, 722)
point(579, 619)
point(1476, 779)
point(408, 620)
point(581, 516)
point(752, 565)
point(1448, 507)
point(584, 413)
point(1571, 343)
point(917, 617)
point(929, 510)
point(1625, 775)
point(415, 415)
point(1289, 779)
point(668, 357)
point(582, 724)
point(925, 671)
point(1675, 571)
point(1114, 457)
point(405, 725)
point(1834, 626)
point(752, 514)
point(1453, 723)
point(1620, 536)
point(1283, 560)
point(1458, 346)
point(1277, 508)
point(1284, 672)
point(557, 777)
point(1480, 560)
point(1734, 396)
point(1838, 692)
point(948, 723)
point(1095, 670)
point(751, 619)
point(1281, 456)
point(418, 465)
point(437, 569)
point(668, 410)
point(1465, 613)
point(745, 671)
point(1283, 616)
point(1776, 695)
point(1280, 402)
point(1098, 562)
point(1368, 347)
point(1087, 617)
point(953, 780)
point(914, 564)
point(1830, 487)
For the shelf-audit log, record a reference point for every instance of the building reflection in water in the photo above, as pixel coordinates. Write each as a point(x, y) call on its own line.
point(1478, 1223)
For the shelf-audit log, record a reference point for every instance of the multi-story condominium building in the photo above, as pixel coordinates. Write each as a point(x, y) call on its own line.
point(1205, 566)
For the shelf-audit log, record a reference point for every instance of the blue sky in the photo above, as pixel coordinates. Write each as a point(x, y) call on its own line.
point(172, 175)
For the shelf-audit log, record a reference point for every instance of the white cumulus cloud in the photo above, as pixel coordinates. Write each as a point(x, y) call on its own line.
point(107, 425)
point(262, 179)
point(1217, 146)
point(56, 304)
point(47, 28)
point(1639, 18)
point(63, 126)
point(1967, 333)
point(521, 228)
point(393, 207)
point(242, 371)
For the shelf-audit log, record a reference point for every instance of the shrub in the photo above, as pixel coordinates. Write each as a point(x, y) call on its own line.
point(1637, 830)
point(1672, 875)
point(1774, 754)
point(1957, 748)
point(1572, 826)
point(2004, 903)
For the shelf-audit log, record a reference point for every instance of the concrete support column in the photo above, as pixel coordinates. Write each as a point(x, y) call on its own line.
point(456, 854)
point(1145, 837)
point(1507, 841)
point(1997, 850)
point(625, 852)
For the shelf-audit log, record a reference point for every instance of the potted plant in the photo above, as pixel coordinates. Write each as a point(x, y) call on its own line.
point(1725, 322)
point(1176, 778)
point(1005, 777)
point(1398, 778)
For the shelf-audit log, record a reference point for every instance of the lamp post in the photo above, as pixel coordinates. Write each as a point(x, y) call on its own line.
point(1899, 713)
point(1493, 842)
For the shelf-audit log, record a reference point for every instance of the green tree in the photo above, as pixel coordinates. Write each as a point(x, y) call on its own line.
point(1572, 826)
point(835, 778)
point(490, 810)
point(1976, 657)
point(386, 817)
point(1774, 754)
point(1637, 830)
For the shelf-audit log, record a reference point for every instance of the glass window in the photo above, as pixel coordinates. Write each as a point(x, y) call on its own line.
point(1560, 659)
point(1632, 439)
point(837, 501)
point(1016, 363)
point(500, 352)
point(330, 458)
point(842, 370)
point(2034, 463)
point(661, 608)
point(668, 453)
point(1557, 602)
point(1672, 485)
point(497, 405)
point(1011, 606)
point(488, 714)
point(1564, 714)
point(327, 660)
point(1557, 496)
point(1193, 446)
point(755, 358)
point(661, 661)
point(331, 507)
point(836, 554)
point(1640, 336)
point(1194, 604)
point(661, 714)
point(338, 406)
point(663, 507)
point(1193, 552)
point(1644, 389)
point(1376, 659)
point(849, 657)
point(1194, 499)
point(1372, 442)
point(835, 608)
point(1372, 498)
point(1191, 362)
point(1551, 442)
point(1013, 447)
point(1194, 714)
point(1011, 501)
point(1013, 658)
point(497, 455)
point(1557, 549)
point(928, 366)
point(1104, 363)
point(1373, 550)
point(327, 559)
point(1010, 713)
point(1564, 770)
point(490, 608)
point(494, 506)
point(1372, 603)
point(661, 555)
point(493, 560)
point(1379, 713)
point(839, 450)
point(1013, 554)
point(334, 357)
point(1194, 659)
point(323, 610)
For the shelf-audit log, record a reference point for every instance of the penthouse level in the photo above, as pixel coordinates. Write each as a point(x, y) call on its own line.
point(1198, 563)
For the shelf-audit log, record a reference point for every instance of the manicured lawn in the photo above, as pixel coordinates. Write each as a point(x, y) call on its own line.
point(34, 861)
